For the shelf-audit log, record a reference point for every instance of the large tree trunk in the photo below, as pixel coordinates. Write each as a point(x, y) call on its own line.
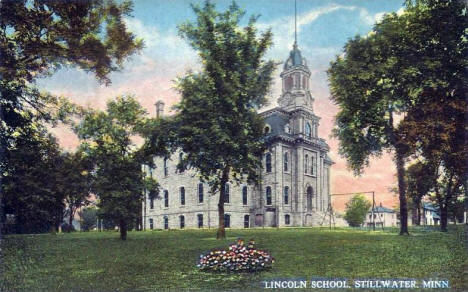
point(221, 234)
point(123, 229)
point(445, 202)
point(443, 217)
point(400, 164)
point(70, 220)
point(418, 213)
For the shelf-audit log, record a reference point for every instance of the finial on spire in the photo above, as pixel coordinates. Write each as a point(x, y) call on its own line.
point(295, 24)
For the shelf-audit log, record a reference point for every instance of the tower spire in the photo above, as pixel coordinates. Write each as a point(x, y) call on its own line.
point(295, 24)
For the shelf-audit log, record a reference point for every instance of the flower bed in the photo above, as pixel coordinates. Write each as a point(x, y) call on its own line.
point(237, 258)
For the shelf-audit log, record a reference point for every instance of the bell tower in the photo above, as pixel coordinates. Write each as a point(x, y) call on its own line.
point(295, 79)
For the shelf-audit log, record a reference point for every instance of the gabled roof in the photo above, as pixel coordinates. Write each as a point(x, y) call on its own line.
point(381, 209)
point(430, 207)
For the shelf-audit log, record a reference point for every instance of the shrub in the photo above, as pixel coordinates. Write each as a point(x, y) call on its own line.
point(237, 258)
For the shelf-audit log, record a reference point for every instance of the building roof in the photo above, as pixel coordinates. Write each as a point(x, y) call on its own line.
point(295, 59)
point(430, 207)
point(381, 209)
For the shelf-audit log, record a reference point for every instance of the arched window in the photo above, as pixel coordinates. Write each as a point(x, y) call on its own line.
point(310, 194)
point(268, 195)
point(166, 222)
point(266, 130)
point(181, 157)
point(308, 130)
point(287, 129)
point(286, 195)
point(165, 167)
point(226, 193)
point(268, 162)
point(289, 82)
point(312, 164)
point(200, 220)
point(286, 161)
point(244, 195)
point(227, 220)
point(166, 198)
point(182, 221)
point(200, 193)
point(151, 199)
point(287, 219)
point(304, 82)
point(246, 221)
point(297, 80)
point(306, 163)
point(182, 196)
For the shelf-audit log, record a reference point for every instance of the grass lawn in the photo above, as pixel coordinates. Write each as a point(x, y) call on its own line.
point(157, 260)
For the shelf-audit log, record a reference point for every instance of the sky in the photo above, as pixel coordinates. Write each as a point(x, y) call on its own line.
point(323, 28)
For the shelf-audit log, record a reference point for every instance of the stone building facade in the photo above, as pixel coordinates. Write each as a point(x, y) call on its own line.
point(295, 179)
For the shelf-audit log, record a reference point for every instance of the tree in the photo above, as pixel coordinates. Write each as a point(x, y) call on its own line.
point(384, 76)
point(38, 37)
point(420, 178)
point(88, 218)
point(31, 187)
point(76, 170)
point(218, 127)
point(356, 210)
point(118, 177)
point(436, 130)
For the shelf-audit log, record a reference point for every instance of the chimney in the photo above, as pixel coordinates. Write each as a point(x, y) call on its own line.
point(159, 108)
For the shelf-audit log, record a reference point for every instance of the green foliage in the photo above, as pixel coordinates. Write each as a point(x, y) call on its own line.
point(33, 187)
point(356, 210)
point(39, 37)
point(118, 177)
point(405, 61)
point(217, 125)
point(88, 218)
point(420, 178)
point(76, 171)
point(95, 261)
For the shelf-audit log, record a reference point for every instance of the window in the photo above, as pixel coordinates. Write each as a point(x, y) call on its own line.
point(226, 193)
point(268, 162)
point(165, 167)
point(166, 198)
point(306, 163)
point(297, 82)
point(246, 221)
point(200, 220)
point(227, 220)
point(287, 128)
point(151, 198)
point(166, 222)
point(309, 198)
point(182, 221)
point(244, 195)
point(267, 130)
point(289, 82)
point(268, 195)
point(151, 223)
point(286, 195)
point(287, 219)
point(181, 157)
point(286, 162)
point(200, 193)
point(312, 164)
point(182, 196)
point(308, 130)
